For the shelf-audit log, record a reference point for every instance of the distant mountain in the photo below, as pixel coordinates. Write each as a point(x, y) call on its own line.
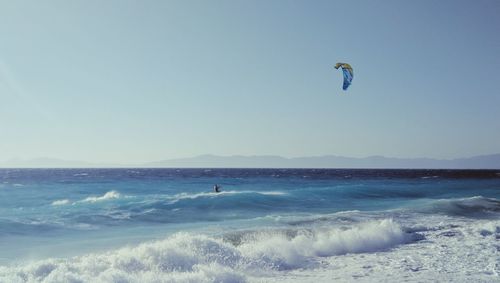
point(272, 161)
point(329, 161)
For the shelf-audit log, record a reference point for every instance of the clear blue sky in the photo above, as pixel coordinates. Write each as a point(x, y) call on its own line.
point(133, 81)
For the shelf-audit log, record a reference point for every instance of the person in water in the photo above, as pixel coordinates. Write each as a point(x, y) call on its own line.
point(216, 188)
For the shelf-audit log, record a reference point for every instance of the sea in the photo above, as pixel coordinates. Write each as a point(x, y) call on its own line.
point(266, 225)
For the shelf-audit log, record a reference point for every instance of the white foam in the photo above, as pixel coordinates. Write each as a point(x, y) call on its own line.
point(107, 196)
point(283, 252)
point(61, 202)
point(429, 177)
point(180, 258)
point(182, 196)
point(185, 257)
point(80, 174)
point(272, 193)
point(454, 250)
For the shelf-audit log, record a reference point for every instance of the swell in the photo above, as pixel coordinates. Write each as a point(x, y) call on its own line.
point(112, 209)
point(477, 206)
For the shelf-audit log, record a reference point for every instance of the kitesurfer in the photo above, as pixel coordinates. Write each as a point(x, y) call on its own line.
point(217, 188)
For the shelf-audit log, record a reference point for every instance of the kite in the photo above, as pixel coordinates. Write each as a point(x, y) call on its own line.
point(348, 74)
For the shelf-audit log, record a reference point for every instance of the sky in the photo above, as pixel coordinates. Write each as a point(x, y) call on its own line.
point(138, 81)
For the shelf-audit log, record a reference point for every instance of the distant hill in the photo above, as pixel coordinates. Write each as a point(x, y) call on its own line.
point(329, 161)
point(271, 161)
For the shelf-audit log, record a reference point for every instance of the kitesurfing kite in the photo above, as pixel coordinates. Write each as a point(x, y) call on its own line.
point(348, 74)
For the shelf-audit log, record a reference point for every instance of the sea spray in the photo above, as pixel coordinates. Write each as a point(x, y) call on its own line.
point(186, 257)
point(280, 250)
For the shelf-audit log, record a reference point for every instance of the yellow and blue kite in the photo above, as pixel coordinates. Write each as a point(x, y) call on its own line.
point(348, 74)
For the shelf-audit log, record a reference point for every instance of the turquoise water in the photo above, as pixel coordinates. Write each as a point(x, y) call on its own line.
point(49, 214)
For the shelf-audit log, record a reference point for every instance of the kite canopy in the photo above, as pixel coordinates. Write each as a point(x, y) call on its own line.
point(348, 74)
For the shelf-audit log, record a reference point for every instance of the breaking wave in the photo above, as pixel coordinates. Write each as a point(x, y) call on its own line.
point(185, 257)
point(107, 196)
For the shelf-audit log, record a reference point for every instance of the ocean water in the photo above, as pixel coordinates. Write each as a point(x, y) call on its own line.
point(267, 225)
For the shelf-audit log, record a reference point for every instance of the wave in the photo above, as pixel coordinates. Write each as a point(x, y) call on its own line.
point(107, 196)
point(181, 207)
point(477, 206)
point(183, 196)
point(61, 202)
point(185, 257)
point(80, 174)
point(429, 177)
point(281, 250)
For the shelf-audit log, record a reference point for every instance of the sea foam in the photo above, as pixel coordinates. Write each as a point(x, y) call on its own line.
point(183, 196)
point(284, 252)
point(61, 202)
point(179, 258)
point(107, 196)
point(185, 257)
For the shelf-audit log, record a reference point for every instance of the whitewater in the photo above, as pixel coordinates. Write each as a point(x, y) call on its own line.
point(267, 225)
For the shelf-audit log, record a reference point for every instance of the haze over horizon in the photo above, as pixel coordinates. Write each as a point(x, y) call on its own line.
point(273, 161)
point(134, 82)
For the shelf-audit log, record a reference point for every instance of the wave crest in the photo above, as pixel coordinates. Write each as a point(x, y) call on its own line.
point(61, 202)
point(185, 257)
point(183, 196)
point(107, 196)
point(284, 251)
